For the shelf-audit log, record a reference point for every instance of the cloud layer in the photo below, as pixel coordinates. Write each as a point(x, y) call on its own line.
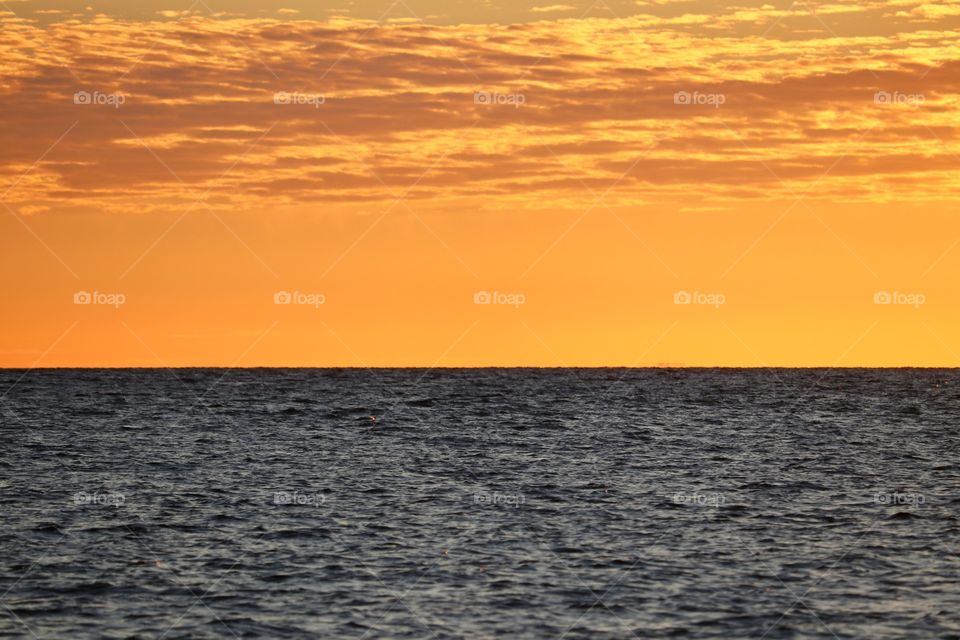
point(701, 108)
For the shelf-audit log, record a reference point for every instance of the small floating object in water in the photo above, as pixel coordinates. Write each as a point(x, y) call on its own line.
point(373, 418)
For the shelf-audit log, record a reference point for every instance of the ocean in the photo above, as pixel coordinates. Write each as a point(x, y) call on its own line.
point(483, 503)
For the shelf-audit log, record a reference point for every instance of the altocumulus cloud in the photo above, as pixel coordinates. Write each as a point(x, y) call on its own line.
point(652, 106)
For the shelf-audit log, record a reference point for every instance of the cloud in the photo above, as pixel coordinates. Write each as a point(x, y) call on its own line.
point(553, 8)
point(29, 210)
point(660, 3)
point(244, 113)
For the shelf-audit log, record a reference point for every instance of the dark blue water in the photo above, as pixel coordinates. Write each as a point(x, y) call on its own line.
point(480, 504)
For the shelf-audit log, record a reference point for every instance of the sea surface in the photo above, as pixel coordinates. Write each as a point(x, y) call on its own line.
point(489, 503)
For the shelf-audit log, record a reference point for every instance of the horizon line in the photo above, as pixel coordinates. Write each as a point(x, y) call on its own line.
point(468, 367)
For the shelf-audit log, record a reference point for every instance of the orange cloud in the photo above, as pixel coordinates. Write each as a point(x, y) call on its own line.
point(553, 8)
point(245, 110)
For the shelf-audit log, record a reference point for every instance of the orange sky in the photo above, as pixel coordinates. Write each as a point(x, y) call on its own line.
point(793, 168)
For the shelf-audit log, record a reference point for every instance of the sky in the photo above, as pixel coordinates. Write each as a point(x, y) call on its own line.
point(478, 183)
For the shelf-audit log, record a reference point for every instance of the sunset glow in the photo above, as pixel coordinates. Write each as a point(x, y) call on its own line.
point(653, 183)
